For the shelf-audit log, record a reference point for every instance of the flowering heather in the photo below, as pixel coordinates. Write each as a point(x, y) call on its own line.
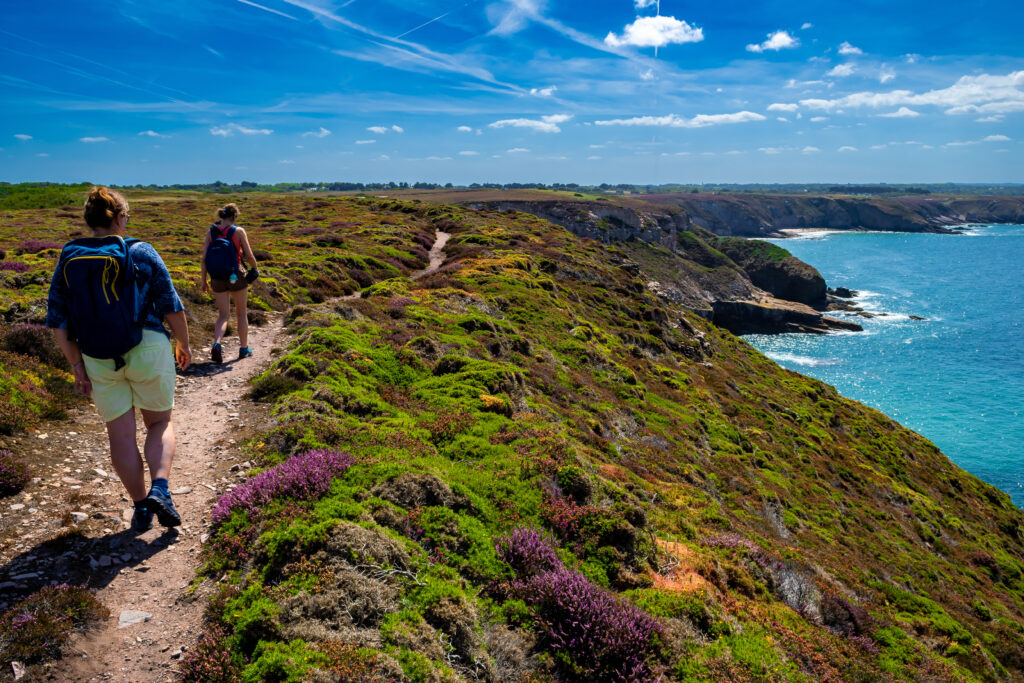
point(599, 636)
point(16, 266)
point(305, 476)
point(33, 246)
point(38, 627)
point(527, 552)
point(210, 661)
point(14, 474)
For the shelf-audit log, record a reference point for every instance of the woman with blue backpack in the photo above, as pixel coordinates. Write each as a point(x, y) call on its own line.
point(109, 299)
point(223, 250)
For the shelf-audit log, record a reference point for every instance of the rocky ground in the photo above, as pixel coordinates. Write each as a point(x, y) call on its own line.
point(71, 524)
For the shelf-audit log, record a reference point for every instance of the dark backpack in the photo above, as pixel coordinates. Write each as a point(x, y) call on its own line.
point(221, 254)
point(102, 283)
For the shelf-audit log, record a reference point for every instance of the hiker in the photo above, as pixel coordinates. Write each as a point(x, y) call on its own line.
point(223, 249)
point(108, 300)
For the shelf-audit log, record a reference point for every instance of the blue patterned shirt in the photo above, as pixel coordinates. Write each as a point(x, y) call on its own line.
point(155, 291)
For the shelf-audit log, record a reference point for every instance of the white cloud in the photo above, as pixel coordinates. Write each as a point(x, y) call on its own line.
point(232, 128)
point(397, 129)
point(655, 32)
point(782, 118)
point(981, 94)
point(647, 75)
point(995, 118)
point(901, 113)
point(544, 92)
point(99, 139)
point(23, 137)
point(770, 150)
point(468, 153)
point(886, 74)
point(517, 150)
point(806, 25)
point(819, 119)
point(966, 143)
point(322, 133)
point(383, 157)
point(365, 142)
point(846, 49)
point(153, 134)
point(547, 124)
point(780, 40)
point(810, 150)
point(379, 130)
point(674, 121)
point(996, 138)
point(464, 129)
point(842, 70)
point(779, 106)
point(847, 148)
point(439, 158)
point(641, 4)
point(911, 58)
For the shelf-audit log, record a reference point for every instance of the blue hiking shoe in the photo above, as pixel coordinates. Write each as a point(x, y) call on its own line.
point(217, 354)
point(160, 503)
point(244, 352)
point(142, 519)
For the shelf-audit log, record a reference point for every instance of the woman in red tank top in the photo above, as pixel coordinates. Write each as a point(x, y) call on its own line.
point(234, 289)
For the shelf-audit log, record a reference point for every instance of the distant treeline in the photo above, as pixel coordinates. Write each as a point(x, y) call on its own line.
point(51, 195)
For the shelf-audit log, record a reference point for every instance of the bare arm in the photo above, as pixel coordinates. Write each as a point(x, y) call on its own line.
point(204, 284)
point(250, 258)
point(179, 327)
point(73, 354)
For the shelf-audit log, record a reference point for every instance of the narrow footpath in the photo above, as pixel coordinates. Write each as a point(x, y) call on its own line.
point(146, 581)
point(153, 617)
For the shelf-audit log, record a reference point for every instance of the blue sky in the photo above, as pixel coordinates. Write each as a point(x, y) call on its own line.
point(512, 91)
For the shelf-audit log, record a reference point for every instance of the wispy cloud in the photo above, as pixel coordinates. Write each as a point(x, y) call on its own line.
point(153, 134)
point(842, 70)
point(996, 138)
point(94, 139)
point(675, 121)
point(780, 40)
point(517, 150)
point(901, 113)
point(22, 137)
point(886, 74)
point(365, 142)
point(544, 92)
point(381, 130)
point(779, 106)
point(981, 94)
point(847, 148)
point(322, 133)
point(656, 31)
point(806, 25)
point(468, 153)
point(810, 150)
point(846, 49)
point(546, 124)
point(267, 9)
point(232, 128)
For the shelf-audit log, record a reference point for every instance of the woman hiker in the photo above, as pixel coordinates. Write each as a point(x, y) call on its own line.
point(223, 249)
point(108, 301)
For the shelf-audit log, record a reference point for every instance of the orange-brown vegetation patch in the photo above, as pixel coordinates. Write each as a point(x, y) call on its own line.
point(683, 577)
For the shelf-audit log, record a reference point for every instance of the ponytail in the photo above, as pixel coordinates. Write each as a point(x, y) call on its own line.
point(103, 206)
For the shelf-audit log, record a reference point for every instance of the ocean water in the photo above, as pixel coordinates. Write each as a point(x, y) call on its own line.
point(956, 377)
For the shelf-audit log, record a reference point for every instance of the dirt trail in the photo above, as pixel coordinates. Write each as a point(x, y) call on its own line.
point(82, 508)
point(151, 572)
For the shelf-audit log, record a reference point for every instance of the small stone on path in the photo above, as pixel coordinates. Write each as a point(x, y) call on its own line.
point(79, 517)
point(130, 617)
point(182, 490)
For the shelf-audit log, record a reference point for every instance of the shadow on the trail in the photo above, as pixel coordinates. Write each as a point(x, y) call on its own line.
point(75, 559)
point(208, 369)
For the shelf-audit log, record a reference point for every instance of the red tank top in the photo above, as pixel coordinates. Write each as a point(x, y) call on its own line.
point(222, 232)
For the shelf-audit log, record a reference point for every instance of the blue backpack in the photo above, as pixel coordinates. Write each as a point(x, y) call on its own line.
point(102, 285)
point(221, 254)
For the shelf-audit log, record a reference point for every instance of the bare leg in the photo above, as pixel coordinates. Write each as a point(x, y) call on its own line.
point(223, 313)
point(241, 300)
point(160, 443)
point(124, 454)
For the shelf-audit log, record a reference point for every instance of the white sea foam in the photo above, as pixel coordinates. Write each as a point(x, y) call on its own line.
point(809, 361)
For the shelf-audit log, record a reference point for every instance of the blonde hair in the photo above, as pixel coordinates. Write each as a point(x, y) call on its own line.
point(103, 206)
point(229, 211)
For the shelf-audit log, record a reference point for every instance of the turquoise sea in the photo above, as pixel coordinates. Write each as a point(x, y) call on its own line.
point(956, 377)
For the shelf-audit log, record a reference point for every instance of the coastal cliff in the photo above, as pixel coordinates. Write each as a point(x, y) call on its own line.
point(459, 473)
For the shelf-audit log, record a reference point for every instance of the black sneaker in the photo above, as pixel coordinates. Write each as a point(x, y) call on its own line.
point(216, 354)
point(142, 519)
point(244, 352)
point(159, 502)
